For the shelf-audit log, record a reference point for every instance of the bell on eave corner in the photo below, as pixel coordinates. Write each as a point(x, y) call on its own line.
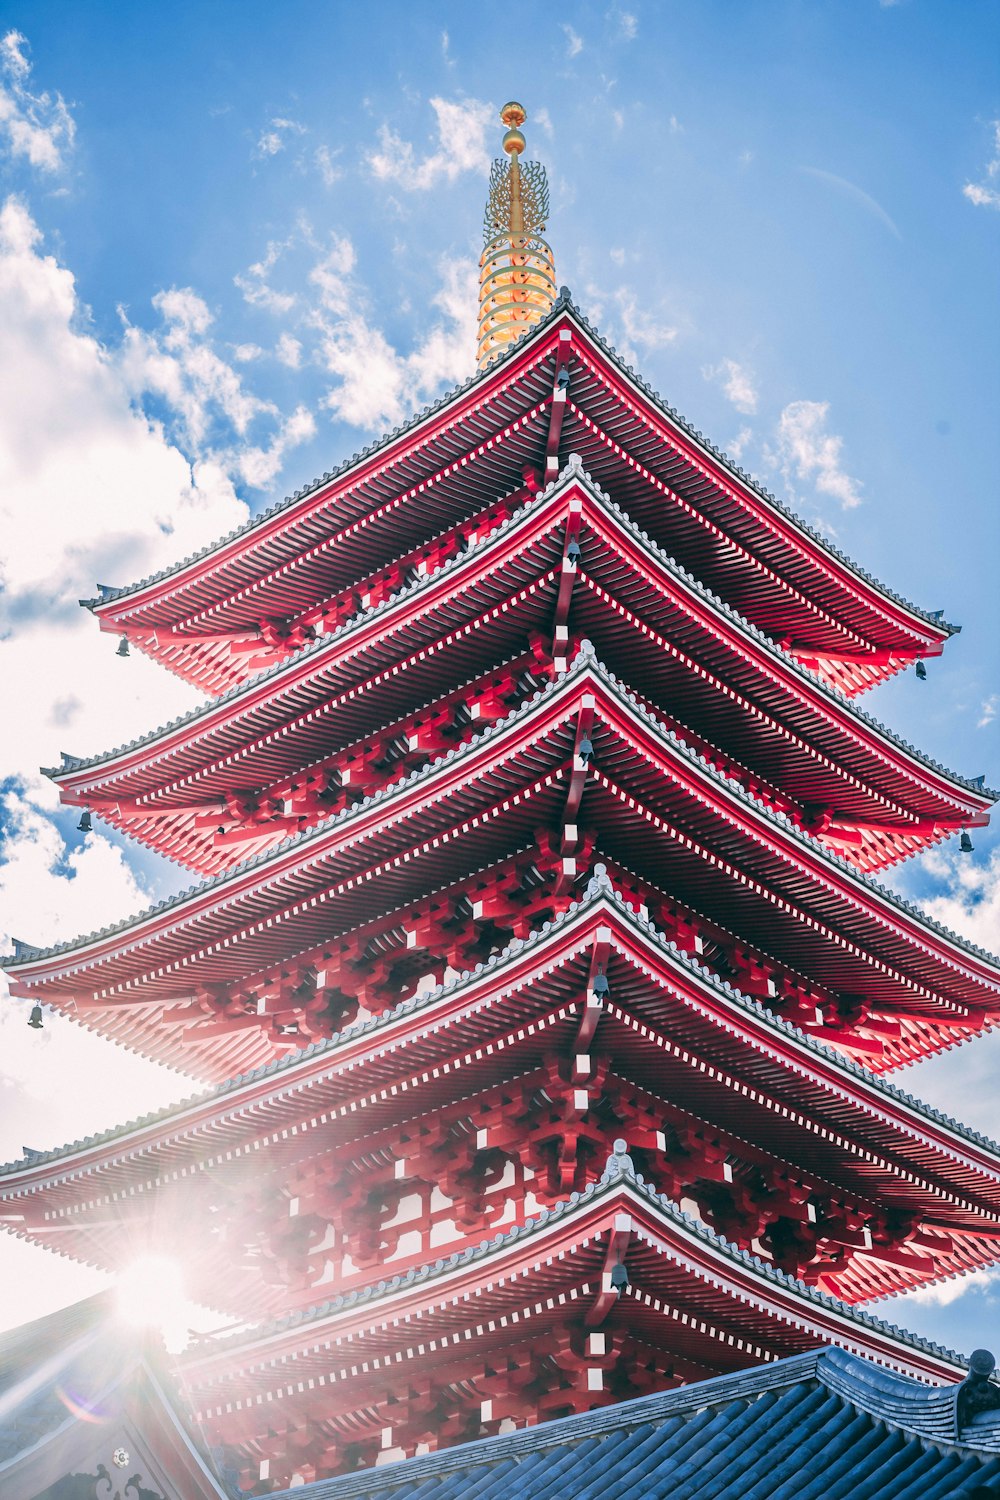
point(619, 1278)
point(921, 672)
point(35, 1019)
point(85, 825)
point(122, 646)
point(965, 845)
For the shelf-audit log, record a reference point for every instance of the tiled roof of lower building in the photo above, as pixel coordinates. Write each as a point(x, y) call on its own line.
point(823, 1426)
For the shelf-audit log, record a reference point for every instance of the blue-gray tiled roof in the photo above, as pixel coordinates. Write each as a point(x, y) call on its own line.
point(821, 1426)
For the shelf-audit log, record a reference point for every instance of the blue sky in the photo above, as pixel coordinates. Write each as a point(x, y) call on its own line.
point(238, 241)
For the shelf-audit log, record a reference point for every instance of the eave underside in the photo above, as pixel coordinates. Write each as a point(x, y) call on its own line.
point(789, 582)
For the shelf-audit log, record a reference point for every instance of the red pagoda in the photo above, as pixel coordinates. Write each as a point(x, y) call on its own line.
point(538, 962)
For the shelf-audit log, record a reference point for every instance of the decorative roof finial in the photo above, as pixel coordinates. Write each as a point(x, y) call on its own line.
point(517, 279)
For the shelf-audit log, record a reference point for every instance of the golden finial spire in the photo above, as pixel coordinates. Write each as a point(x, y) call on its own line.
point(517, 279)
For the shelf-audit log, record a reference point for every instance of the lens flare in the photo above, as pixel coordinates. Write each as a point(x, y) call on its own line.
point(151, 1295)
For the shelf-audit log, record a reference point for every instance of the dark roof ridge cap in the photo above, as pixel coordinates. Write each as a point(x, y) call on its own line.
point(107, 595)
point(653, 1409)
point(599, 887)
point(610, 1181)
point(931, 617)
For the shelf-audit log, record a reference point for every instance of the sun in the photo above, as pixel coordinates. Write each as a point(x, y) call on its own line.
point(151, 1295)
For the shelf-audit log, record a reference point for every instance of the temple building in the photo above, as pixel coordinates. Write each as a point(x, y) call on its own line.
point(539, 974)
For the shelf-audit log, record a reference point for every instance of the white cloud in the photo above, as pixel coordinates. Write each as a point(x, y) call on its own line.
point(642, 327)
point(970, 901)
point(736, 447)
point(179, 364)
point(289, 351)
point(275, 137)
point(461, 128)
point(255, 284)
point(989, 710)
point(949, 1291)
point(257, 466)
point(325, 160)
point(574, 42)
point(245, 353)
point(806, 451)
point(629, 25)
point(37, 128)
point(376, 385)
point(116, 496)
point(617, 255)
point(737, 384)
point(987, 194)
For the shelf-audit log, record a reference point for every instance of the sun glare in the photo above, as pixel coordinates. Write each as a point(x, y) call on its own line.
point(151, 1295)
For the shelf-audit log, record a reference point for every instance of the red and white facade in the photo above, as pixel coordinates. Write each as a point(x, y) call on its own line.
point(539, 966)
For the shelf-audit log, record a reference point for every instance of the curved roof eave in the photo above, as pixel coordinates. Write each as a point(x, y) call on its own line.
point(616, 1178)
point(26, 954)
point(329, 644)
point(562, 306)
point(599, 889)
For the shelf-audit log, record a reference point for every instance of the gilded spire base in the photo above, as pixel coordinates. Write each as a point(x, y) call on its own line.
point(517, 279)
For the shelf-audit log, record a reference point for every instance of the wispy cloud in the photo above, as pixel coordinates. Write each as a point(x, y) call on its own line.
point(326, 164)
point(737, 384)
point(626, 21)
point(255, 283)
point(989, 710)
point(574, 41)
point(856, 194)
point(949, 1291)
point(276, 135)
point(986, 194)
point(461, 129)
point(376, 384)
point(35, 128)
point(805, 450)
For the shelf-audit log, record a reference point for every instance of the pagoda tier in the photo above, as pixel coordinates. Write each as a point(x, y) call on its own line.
point(581, 767)
point(288, 576)
point(451, 651)
point(466, 1109)
point(609, 1296)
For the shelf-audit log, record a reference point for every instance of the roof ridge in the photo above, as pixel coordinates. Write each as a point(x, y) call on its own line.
point(615, 1175)
point(585, 657)
point(563, 303)
point(572, 469)
point(599, 887)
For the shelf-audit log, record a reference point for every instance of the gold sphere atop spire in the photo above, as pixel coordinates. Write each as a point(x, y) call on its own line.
point(513, 143)
point(513, 113)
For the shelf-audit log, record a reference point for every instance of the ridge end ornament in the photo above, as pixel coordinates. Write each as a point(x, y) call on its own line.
point(517, 282)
